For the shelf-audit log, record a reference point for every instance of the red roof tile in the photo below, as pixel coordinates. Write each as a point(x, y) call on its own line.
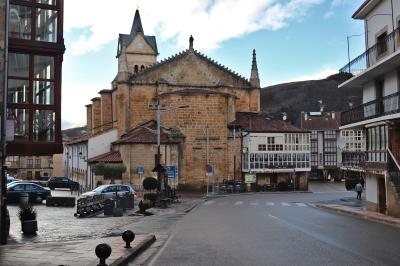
point(325, 121)
point(146, 133)
point(109, 157)
point(258, 122)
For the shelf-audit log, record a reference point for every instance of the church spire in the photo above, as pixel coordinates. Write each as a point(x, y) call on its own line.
point(254, 79)
point(137, 24)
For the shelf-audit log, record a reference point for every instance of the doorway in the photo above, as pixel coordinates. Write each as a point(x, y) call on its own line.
point(381, 195)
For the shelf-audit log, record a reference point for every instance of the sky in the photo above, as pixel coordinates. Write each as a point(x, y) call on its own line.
point(294, 39)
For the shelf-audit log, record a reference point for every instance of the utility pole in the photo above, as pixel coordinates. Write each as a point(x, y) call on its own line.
point(207, 161)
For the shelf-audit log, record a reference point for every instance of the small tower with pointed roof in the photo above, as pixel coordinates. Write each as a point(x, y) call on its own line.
point(136, 51)
point(254, 78)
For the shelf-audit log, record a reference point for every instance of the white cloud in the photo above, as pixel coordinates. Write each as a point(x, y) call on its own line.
point(329, 14)
point(74, 98)
point(325, 72)
point(341, 2)
point(211, 22)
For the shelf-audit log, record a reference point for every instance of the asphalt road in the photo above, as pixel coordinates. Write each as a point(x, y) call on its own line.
point(277, 229)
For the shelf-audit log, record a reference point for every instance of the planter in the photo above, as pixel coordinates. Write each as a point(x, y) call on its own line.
point(29, 227)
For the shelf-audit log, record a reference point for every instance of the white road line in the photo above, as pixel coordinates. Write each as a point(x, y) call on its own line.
point(237, 203)
point(301, 204)
point(285, 204)
point(254, 203)
point(208, 203)
point(269, 203)
point(274, 217)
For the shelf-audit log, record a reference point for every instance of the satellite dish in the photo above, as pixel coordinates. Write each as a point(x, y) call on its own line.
point(341, 143)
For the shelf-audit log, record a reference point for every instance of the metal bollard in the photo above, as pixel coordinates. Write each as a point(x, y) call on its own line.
point(103, 251)
point(128, 236)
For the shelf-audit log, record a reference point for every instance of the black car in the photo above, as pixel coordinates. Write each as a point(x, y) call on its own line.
point(36, 193)
point(62, 182)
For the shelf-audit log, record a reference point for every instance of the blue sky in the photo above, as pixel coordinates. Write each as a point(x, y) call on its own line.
point(294, 39)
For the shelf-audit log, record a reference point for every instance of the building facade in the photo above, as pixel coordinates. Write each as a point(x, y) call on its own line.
point(353, 153)
point(377, 71)
point(325, 155)
point(211, 92)
point(274, 150)
point(30, 167)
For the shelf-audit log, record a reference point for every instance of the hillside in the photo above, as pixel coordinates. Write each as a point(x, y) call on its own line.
point(295, 97)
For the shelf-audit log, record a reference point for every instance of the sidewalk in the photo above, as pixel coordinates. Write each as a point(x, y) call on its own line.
point(80, 252)
point(360, 212)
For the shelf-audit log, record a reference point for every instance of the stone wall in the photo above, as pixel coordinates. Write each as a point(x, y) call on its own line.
point(106, 110)
point(89, 122)
point(96, 115)
point(392, 200)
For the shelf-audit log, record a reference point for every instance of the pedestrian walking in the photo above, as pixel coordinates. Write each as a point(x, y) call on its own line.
point(359, 190)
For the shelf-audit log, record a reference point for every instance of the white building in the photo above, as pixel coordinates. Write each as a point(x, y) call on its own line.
point(377, 71)
point(77, 152)
point(274, 151)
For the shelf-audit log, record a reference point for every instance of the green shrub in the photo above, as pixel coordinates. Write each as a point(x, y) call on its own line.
point(26, 212)
point(283, 186)
point(150, 196)
point(150, 183)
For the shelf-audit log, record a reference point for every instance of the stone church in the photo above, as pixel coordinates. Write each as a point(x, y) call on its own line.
point(199, 98)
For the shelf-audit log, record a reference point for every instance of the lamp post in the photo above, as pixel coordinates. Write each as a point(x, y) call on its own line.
point(159, 169)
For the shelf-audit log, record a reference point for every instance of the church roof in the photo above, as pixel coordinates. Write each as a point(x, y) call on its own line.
point(109, 157)
point(146, 134)
point(185, 53)
point(137, 27)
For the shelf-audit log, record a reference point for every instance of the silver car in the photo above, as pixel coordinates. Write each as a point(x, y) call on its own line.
point(110, 191)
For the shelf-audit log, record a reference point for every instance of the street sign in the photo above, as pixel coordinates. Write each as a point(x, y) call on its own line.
point(140, 170)
point(249, 178)
point(172, 171)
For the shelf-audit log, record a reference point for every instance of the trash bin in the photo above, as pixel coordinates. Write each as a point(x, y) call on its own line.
point(128, 201)
point(23, 198)
point(108, 207)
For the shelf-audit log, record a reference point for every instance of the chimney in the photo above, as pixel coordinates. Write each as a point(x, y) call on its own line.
point(106, 109)
point(96, 115)
point(333, 115)
point(89, 127)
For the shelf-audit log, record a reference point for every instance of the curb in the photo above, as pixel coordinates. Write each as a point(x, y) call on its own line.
point(255, 193)
point(191, 207)
point(358, 214)
point(135, 251)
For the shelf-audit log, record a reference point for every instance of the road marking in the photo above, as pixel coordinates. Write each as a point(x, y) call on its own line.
point(254, 203)
point(301, 204)
point(208, 203)
point(270, 203)
point(274, 217)
point(285, 204)
point(237, 203)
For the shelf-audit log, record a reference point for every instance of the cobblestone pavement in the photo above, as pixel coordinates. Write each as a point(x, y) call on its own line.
point(60, 224)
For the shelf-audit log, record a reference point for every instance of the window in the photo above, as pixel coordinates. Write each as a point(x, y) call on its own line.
point(29, 175)
point(314, 134)
point(46, 17)
point(314, 146)
point(141, 67)
point(262, 147)
point(314, 159)
point(330, 159)
point(381, 44)
point(20, 118)
point(330, 134)
point(37, 163)
point(329, 146)
point(29, 163)
point(136, 69)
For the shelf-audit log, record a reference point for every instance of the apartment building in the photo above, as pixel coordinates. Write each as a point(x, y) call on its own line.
point(274, 150)
point(353, 153)
point(325, 155)
point(377, 71)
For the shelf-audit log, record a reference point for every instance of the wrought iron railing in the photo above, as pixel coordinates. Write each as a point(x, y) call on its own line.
point(353, 160)
point(388, 45)
point(389, 104)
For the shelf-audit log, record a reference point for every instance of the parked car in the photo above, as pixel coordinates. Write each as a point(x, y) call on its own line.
point(109, 191)
point(36, 193)
point(62, 182)
point(11, 179)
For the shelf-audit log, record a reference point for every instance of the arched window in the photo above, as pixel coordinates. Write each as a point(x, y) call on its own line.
point(141, 67)
point(136, 69)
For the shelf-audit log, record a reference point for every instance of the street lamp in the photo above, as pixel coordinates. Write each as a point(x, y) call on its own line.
point(159, 168)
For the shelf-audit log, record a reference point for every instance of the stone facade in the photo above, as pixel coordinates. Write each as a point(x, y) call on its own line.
point(30, 167)
point(96, 115)
point(211, 92)
point(106, 109)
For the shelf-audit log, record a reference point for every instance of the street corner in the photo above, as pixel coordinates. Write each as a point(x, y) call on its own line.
point(83, 252)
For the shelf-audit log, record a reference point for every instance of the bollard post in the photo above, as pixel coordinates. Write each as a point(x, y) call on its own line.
point(128, 236)
point(103, 251)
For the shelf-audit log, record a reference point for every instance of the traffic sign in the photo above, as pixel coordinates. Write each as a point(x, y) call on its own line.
point(209, 170)
point(140, 170)
point(172, 171)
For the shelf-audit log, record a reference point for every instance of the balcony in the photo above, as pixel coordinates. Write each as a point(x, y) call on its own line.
point(380, 107)
point(383, 48)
